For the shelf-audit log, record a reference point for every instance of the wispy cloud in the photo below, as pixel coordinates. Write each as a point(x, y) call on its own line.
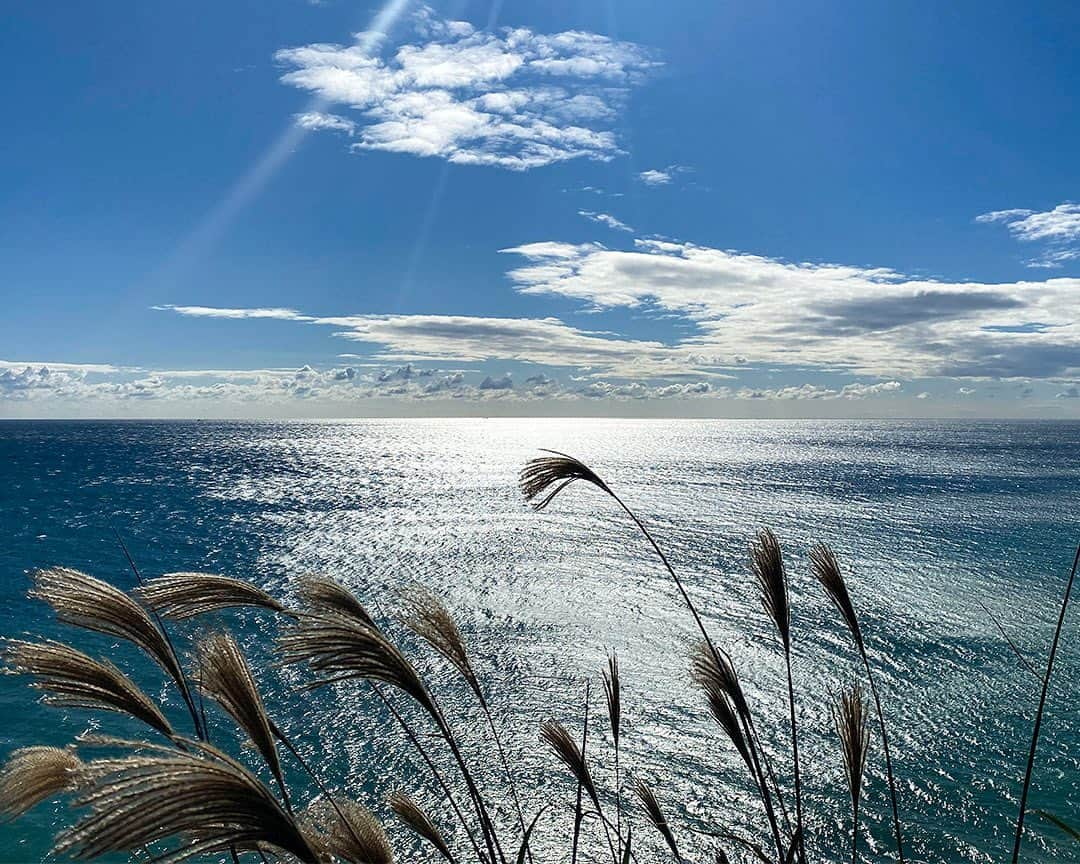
point(605, 219)
point(1059, 229)
point(661, 176)
point(319, 121)
point(516, 98)
point(218, 312)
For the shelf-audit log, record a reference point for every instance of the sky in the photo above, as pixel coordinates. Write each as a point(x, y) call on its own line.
point(291, 208)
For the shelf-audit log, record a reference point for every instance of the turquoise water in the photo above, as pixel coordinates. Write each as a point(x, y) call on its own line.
point(928, 518)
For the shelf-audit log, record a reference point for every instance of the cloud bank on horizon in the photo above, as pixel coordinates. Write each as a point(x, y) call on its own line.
point(625, 316)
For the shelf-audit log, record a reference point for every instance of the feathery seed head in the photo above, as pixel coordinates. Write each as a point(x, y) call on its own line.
point(558, 470)
point(409, 812)
point(768, 565)
point(612, 690)
point(227, 679)
point(556, 736)
point(323, 594)
point(83, 601)
point(34, 774)
point(186, 595)
point(202, 795)
point(656, 815)
point(850, 717)
point(427, 616)
point(348, 831)
point(340, 647)
point(72, 679)
point(827, 570)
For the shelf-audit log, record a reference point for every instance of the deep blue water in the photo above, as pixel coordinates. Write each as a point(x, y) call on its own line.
point(929, 519)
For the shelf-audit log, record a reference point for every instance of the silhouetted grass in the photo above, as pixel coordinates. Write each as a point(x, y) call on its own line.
point(178, 796)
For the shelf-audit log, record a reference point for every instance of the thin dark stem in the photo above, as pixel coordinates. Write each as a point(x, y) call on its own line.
point(490, 837)
point(855, 832)
point(198, 716)
point(505, 766)
point(1016, 650)
point(415, 741)
point(888, 757)
point(577, 806)
point(618, 801)
point(185, 688)
point(763, 788)
point(1039, 713)
point(606, 821)
point(763, 791)
point(751, 729)
point(795, 755)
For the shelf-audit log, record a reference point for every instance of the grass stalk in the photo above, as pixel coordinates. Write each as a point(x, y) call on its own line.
point(1039, 714)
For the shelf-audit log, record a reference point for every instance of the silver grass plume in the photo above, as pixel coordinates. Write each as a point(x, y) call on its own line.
point(323, 594)
point(850, 718)
point(556, 736)
point(613, 694)
point(204, 796)
point(339, 647)
point(83, 601)
point(348, 831)
point(227, 679)
point(409, 812)
point(827, 571)
point(427, 616)
point(716, 676)
point(186, 595)
point(768, 566)
point(71, 679)
point(656, 815)
point(558, 470)
point(35, 774)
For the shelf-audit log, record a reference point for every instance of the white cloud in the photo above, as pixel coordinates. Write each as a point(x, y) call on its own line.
point(1058, 229)
point(862, 320)
point(515, 98)
point(316, 120)
point(605, 219)
point(81, 368)
point(1061, 223)
point(216, 312)
point(653, 177)
point(661, 176)
point(856, 390)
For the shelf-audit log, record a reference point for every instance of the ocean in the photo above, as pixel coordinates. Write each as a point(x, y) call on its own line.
point(931, 521)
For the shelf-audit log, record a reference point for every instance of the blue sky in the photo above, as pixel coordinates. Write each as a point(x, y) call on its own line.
point(720, 209)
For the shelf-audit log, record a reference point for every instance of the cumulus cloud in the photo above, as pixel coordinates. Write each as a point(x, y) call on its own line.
point(513, 98)
point(605, 219)
point(503, 382)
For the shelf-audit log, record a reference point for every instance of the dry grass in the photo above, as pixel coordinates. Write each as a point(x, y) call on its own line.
point(183, 798)
point(181, 596)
